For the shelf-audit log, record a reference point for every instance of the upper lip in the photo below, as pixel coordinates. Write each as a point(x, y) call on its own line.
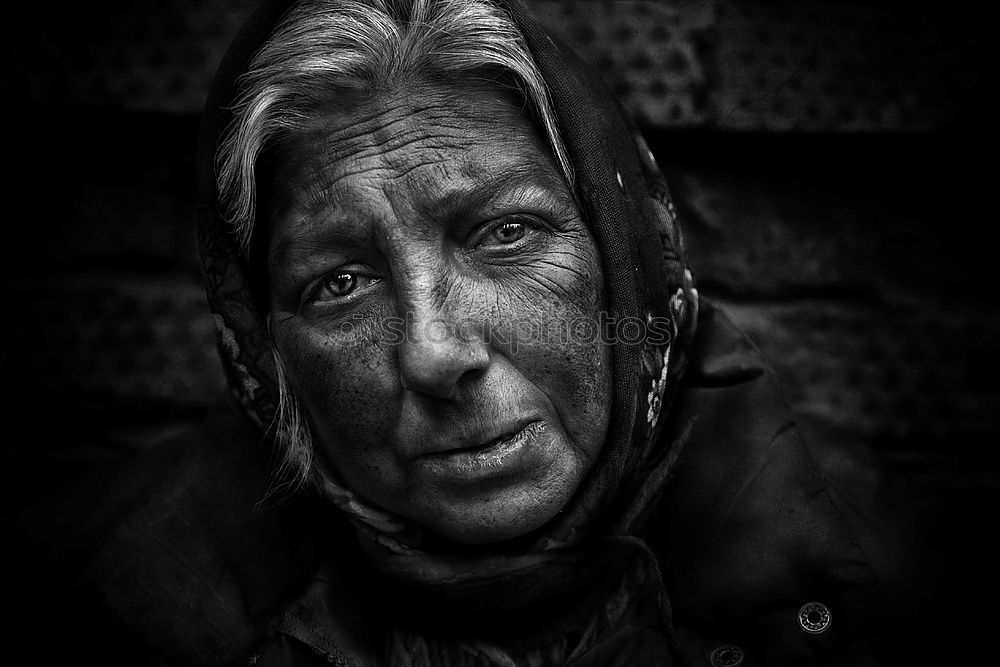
point(472, 438)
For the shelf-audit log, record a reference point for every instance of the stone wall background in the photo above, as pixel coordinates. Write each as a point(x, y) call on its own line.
point(833, 162)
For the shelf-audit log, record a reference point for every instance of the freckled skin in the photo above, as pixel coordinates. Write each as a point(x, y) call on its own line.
point(402, 195)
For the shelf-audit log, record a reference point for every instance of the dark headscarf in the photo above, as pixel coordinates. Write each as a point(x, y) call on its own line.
point(628, 208)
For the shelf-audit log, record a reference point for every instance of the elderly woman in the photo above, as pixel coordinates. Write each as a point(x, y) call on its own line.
point(483, 417)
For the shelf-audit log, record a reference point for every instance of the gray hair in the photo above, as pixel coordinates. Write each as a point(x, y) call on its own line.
point(322, 46)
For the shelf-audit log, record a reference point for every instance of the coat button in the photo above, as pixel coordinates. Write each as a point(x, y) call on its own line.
point(726, 655)
point(814, 617)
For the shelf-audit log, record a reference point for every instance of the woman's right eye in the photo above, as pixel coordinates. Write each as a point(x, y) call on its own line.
point(340, 285)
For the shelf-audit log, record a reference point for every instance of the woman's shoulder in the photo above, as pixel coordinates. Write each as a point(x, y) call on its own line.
point(759, 547)
point(172, 553)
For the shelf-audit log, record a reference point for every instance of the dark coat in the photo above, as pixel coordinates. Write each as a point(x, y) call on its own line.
point(170, 560)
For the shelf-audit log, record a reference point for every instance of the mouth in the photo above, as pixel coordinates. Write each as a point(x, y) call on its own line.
point(494, 457)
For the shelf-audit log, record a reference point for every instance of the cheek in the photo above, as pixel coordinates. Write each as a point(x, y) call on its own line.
point(344, 389)
point(555, 341)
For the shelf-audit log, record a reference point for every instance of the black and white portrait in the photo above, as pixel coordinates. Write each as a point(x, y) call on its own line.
point(499, 332)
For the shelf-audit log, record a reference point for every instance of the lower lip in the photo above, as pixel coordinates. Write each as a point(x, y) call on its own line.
point(496, 459)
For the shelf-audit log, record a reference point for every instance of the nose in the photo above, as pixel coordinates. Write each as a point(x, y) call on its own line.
point(440, 352)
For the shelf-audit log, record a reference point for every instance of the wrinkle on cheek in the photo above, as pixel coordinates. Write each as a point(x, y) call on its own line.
point(552, 295)
point(576, 264)
point(343, 392)
point(551, 319)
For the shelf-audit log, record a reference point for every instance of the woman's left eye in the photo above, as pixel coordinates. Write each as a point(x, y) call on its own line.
point(506, 233)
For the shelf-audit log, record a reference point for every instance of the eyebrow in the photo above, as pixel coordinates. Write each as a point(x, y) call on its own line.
point(302, 246)
point(520, 180)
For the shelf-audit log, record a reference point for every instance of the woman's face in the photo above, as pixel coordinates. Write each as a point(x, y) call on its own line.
point(434, 295)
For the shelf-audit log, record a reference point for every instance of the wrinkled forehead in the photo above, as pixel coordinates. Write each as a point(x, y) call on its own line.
point(435, 141)
point(402, 125)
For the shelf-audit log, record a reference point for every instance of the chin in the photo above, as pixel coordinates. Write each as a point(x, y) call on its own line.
point(493, 519)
